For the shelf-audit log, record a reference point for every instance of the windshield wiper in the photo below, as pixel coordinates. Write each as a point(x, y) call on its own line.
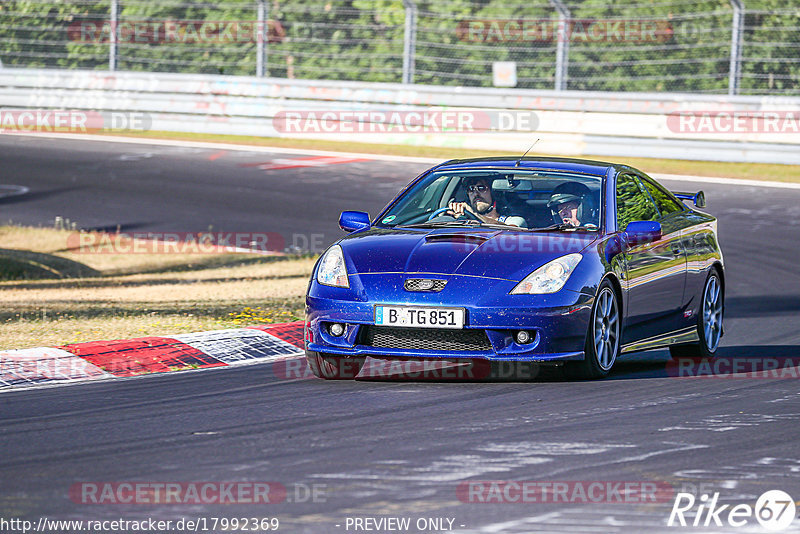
point(436, 224)
point(563, 226)
point(501, 226)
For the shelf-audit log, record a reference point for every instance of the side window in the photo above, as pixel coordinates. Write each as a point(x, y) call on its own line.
point(664, 200)
point(633, 204)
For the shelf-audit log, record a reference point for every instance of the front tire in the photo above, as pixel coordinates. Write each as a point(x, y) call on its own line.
point(334, 367)
point(709, 323)
point(603, 337)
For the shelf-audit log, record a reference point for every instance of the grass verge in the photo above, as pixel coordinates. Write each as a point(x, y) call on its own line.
point(751, 171)
point(52, 294)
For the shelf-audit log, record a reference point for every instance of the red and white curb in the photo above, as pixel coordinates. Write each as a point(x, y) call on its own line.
point(99, 360)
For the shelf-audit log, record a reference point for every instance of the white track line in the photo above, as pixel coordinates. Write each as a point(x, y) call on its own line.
point(226, 146)
point(375, 157)
point(12, 190)
point(726, 181)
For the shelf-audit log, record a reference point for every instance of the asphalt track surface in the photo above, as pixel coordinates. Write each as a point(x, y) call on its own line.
point(392, 449)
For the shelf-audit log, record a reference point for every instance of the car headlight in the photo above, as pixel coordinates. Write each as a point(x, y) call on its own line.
point(550, 277)
point(332, 271)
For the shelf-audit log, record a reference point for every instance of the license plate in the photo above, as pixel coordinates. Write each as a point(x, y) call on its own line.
point(419, 317)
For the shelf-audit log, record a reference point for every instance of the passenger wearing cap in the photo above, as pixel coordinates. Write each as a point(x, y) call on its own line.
point(565, 206)
point(483, 206)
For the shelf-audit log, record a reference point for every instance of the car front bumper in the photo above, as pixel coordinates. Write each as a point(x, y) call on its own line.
point(557, 322)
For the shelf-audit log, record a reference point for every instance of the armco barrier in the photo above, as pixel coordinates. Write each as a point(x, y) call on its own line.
point(569, 122)
point(132, 357)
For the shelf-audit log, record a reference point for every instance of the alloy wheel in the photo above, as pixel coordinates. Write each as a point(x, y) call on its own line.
point(606, 329)
point(712, 313)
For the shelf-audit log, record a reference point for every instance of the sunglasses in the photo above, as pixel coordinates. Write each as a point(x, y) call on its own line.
point(480, 188)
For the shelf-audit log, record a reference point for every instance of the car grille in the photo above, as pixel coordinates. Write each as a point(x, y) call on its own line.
point(422, 284)
point(438, 339)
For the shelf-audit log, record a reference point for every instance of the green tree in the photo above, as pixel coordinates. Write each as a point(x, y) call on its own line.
point(457, 41)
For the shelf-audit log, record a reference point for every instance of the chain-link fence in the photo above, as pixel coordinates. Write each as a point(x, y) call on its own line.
point(708, 46)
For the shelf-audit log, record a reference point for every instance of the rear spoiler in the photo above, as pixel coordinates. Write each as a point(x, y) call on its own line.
point(698, 198)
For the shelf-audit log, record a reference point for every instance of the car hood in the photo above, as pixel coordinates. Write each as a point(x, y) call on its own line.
point(505, 254)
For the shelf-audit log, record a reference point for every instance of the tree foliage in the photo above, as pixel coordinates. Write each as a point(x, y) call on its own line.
point(457, 41)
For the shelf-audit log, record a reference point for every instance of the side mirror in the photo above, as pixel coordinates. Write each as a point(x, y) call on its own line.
point(350, 221)
point(698, 198)
point(642, 232)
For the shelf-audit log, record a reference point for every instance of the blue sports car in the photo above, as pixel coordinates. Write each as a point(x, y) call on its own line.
point(557, 261)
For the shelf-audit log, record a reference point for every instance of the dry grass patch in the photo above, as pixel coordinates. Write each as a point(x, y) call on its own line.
point(58, 296)
point(109, 254)
point(63, 330)
point(180, 292)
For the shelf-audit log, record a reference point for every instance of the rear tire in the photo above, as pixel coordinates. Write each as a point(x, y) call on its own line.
point(602, 339)
point(334, 367)
point(709, 323)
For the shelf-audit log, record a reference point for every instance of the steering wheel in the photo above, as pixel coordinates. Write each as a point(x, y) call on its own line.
point(438, 212)
point(466, 214)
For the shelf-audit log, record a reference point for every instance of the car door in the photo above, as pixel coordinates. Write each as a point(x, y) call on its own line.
point(673, 219)
point(655, 272)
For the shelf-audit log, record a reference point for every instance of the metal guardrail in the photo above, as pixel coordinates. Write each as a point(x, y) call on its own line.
point(569, 123)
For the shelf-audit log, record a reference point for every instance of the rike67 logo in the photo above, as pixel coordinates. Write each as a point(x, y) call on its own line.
point(774, 510)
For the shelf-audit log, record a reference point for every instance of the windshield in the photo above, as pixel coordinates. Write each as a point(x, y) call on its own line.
point(526, 199)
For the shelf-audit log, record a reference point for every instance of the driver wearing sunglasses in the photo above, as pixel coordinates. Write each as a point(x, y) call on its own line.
point(482, 205)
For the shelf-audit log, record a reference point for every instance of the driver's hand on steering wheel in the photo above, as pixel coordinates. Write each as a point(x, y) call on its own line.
point(458, 209)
